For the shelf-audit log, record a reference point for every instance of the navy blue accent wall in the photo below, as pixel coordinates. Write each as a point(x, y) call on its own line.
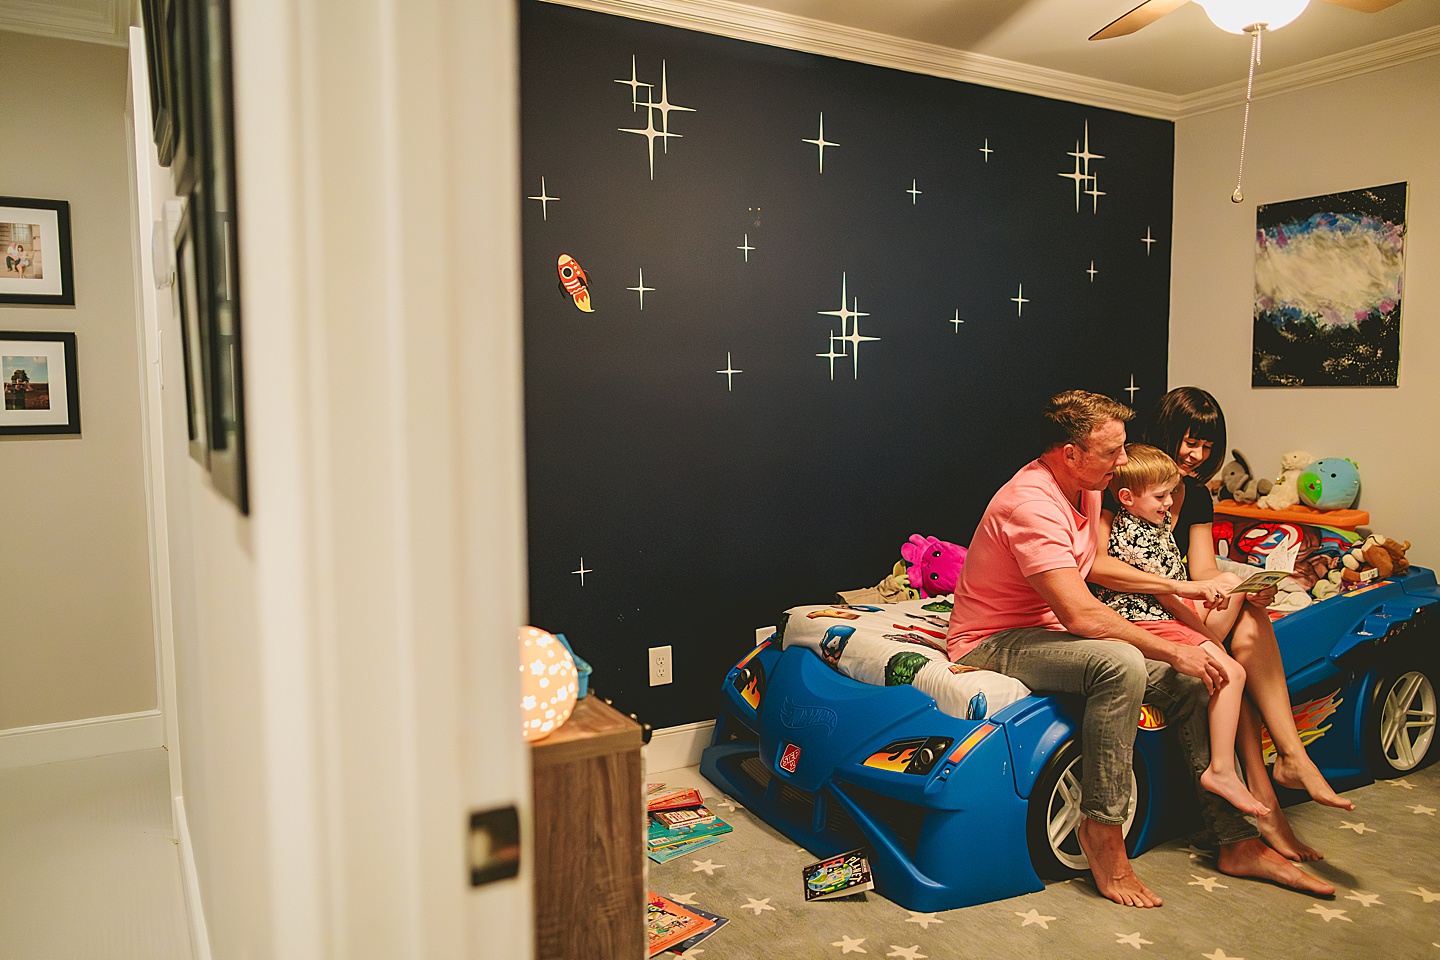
point(700, 503)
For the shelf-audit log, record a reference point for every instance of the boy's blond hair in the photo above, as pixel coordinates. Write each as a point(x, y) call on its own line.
point(1144, 467)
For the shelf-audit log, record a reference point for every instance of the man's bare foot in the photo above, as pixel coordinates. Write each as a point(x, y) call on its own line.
point(1104, 846)
point(1300, 773)
point(1252, 858)
point(1232, 788)
point(1275, 831)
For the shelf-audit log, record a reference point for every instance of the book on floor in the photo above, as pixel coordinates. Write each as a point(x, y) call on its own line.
point(662, 836)
point(839, 876)
point(667, 922)
point(714, 918)
point(666, 854)
point(674, 799)
point(680, 818)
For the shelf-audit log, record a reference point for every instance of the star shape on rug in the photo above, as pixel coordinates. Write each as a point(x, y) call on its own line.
point(1402, 782)
point(1219, 955)
point(1421, 808)
point(725, 803)
point(924, 919)
point(1365, 899)
point(709, 866)
point(1034, 916)
point(849, 944)
point(1425, 895)
point(1209, 883)
point(1195, 852)
point(1357, 827)
point(1329, 913)
point(1133, 939)
point(759, 906)
point(911, 952)
point(686, 898)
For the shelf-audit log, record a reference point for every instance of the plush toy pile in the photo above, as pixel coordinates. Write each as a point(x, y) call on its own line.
point(1373, 558)
point(928, 567)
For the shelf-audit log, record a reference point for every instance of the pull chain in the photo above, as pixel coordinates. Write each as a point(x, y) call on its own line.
point(1238, 196)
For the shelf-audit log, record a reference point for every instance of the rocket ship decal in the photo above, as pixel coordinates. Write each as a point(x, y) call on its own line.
point(573, 282)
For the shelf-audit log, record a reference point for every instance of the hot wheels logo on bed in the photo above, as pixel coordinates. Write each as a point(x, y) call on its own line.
point(796, 717)
point(789, 758)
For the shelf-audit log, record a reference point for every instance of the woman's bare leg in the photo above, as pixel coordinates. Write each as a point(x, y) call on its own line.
point(1275, 829)
point(1253, 645)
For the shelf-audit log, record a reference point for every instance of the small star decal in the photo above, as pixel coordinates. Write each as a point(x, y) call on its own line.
point(1402, 782)
point(1209, 883)
point(1357, 827)
point(924, 919)
point(725, 803)
point(1425, 895)
point(1034, 916)
point(849, 944)
point(686, 898)
point(1329, 913)
point(709, 866)
point(759, 906)
point(1365, 899)
point(911, 952)
point(1133, 939)
point(1219, 955)
point(1421, 808)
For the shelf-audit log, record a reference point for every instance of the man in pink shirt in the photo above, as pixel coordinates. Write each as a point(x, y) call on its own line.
point(1022, 608)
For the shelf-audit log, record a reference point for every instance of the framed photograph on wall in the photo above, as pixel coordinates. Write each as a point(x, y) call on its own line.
point(42, 389)
point(157, 48)
point(35, 240)
point(193, 341)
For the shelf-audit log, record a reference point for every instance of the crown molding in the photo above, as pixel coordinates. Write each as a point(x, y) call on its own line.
point(91, 21)
point(743, 22)
point(1383, 55)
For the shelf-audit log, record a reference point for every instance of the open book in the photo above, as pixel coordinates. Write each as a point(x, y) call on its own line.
point(1279, 564)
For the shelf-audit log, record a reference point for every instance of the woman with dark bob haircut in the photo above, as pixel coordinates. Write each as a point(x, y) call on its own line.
point(1189, 425)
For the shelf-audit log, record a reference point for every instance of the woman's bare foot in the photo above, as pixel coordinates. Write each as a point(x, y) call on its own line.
point(1232, 788)
point(1104, 846)
point(1275, 831)
point(1252, 858)
point(1300, 773)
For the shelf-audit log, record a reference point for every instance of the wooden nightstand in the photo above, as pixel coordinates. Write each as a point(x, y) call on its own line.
point(589, 838)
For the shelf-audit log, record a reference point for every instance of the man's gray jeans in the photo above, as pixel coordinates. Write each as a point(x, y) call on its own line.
point(1115, 679)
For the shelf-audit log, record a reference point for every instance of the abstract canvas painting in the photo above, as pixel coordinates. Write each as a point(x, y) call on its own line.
point(1329, 279)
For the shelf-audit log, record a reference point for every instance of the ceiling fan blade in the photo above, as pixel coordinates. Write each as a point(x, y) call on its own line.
point(1147, 13)
point(1365, 6)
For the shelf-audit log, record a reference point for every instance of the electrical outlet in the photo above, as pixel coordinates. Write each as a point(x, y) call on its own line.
point(661, 666)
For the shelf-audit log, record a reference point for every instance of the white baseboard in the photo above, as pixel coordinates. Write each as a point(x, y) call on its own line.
point(675, 747)
point(190, 880)
point(79, 739)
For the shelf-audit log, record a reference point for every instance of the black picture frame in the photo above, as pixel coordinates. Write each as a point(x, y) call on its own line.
point(180, 41)
point(193, 341)
point(25, 357)
point(35, 241)
point(157, 59)
point(214, 194)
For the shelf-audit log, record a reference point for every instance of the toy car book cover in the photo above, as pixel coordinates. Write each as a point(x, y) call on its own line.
point(715, 918)
point(839, 876)
point(681, 818)
point(667, 923)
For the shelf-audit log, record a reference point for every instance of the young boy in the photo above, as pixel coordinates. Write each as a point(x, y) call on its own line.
point(1140, 535)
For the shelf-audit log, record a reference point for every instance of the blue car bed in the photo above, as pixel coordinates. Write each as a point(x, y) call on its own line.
point(977, 801)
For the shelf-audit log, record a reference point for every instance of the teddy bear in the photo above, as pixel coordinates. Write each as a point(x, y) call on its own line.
point(1237, 482)
point(1285, 492)
point(1373, 558)
point(934, 565)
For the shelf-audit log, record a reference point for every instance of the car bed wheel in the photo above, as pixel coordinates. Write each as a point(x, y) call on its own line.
point(1402, 721)
point(1054, 815)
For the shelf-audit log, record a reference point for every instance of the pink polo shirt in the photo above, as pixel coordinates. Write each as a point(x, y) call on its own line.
point(1028, 528)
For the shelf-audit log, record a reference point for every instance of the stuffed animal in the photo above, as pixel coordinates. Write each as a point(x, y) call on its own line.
point(1330, 483)
point(934, 564)
point(1285, 493)
point(1373, 558)
point(1238, 483)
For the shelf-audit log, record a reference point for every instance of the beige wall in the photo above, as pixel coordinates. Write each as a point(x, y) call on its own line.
point(1374, 129)
point(76, 639)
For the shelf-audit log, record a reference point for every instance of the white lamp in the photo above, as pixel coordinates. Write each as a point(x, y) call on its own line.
point(1237, 15)
point(549, 683)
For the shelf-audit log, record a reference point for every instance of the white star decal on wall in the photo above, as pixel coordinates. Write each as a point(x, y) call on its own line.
point(957, 321)
point(649, 133)
point(986, 150)
point(545, 201)
point(820, 142)
point(634, 86)
point(1329, 913)
point(759, 906)
point(745, 246)
point(832, 356)
point(582, 571)
point(1131, 389)
point(1034, 916)
point(1077, 175)
point(849, 944)
point(1147, 240)
point(1019, 300)
point(914, 193)
point(1134, 939)
point(1092, 271)
point(642, 288)
point(665, 106)
point(729, 372)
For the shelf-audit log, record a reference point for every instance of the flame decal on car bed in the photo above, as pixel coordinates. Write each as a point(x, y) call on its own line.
point(1308, 717)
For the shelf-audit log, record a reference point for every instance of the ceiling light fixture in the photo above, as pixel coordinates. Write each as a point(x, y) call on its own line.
point(1239, 16)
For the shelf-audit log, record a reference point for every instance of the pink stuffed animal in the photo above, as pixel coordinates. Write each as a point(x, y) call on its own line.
point(934, 564)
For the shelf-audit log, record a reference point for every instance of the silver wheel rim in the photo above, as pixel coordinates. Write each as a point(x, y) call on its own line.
point(1407, 720)
point(1064, 816)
